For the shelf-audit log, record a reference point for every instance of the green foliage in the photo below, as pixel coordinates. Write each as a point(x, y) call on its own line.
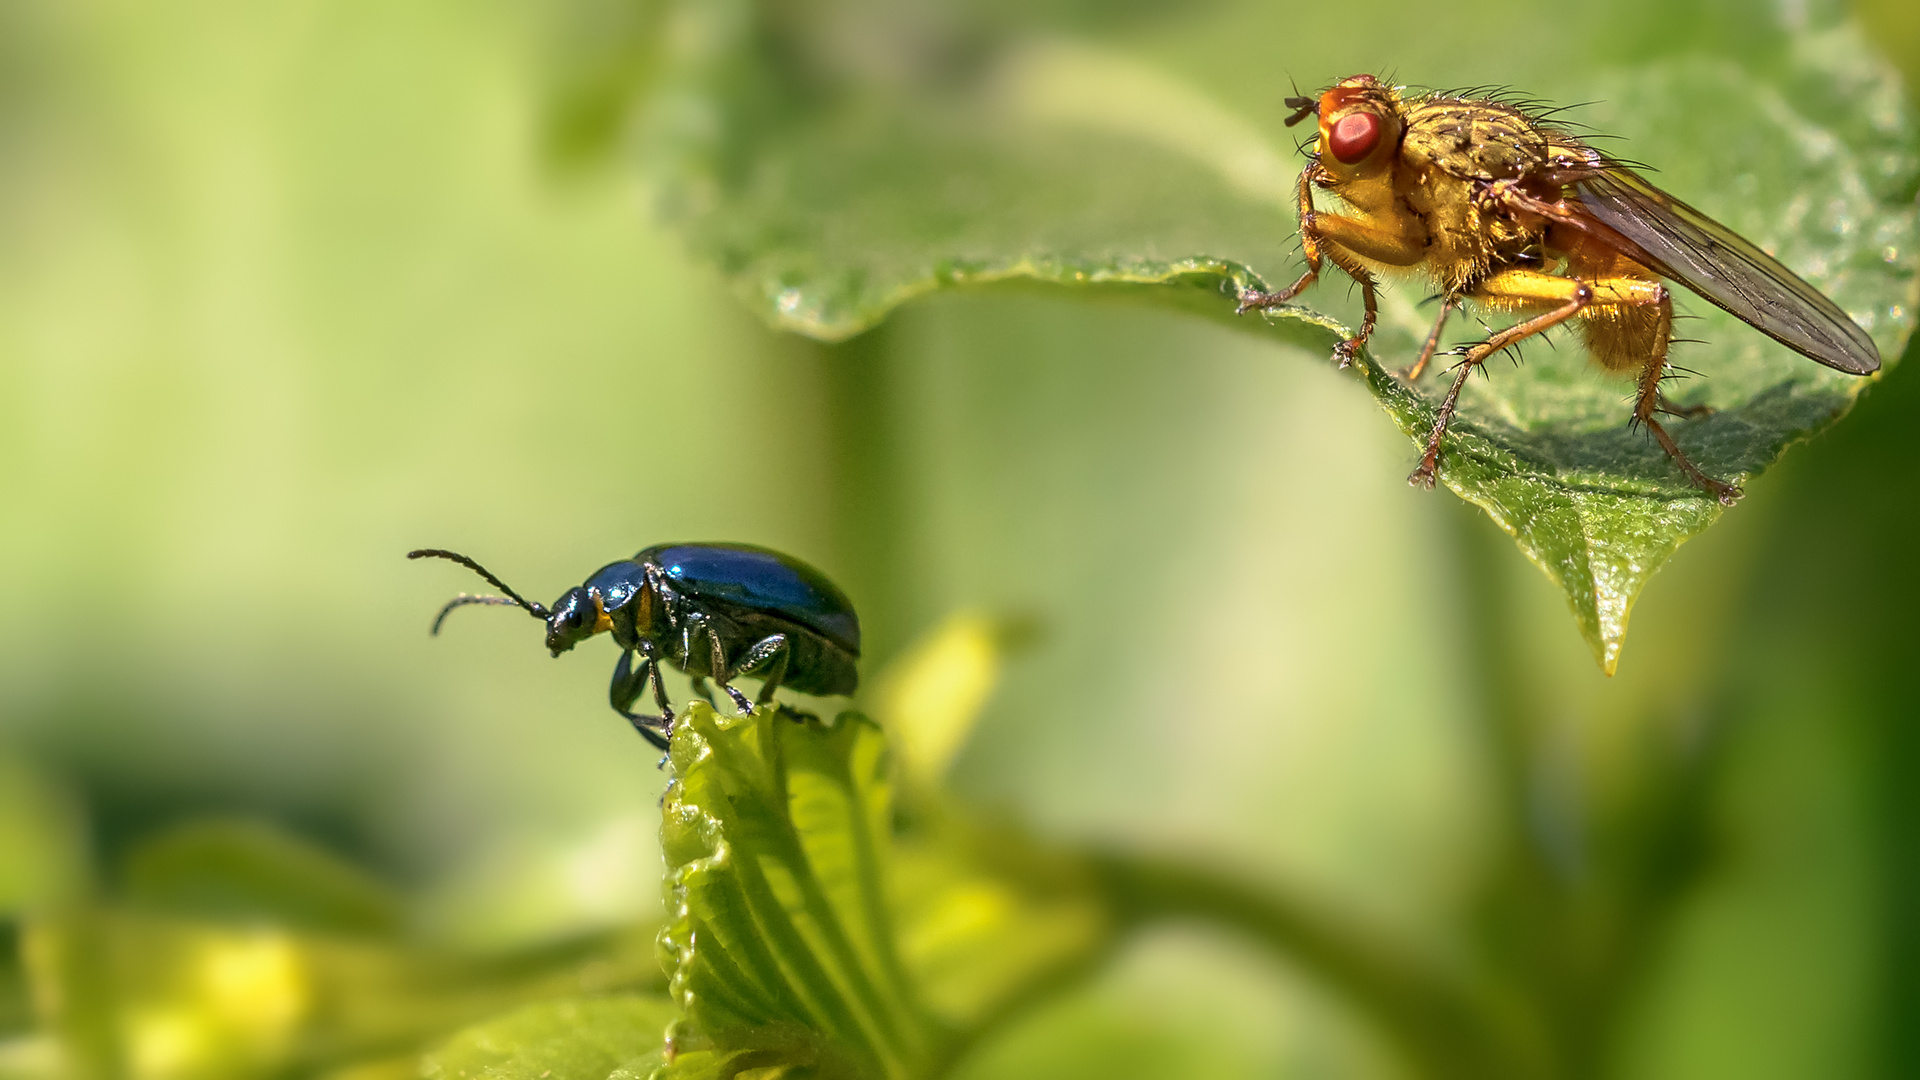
point(612, 1038)
point(243, 871)
point(837, 160)
point(805, 933)
point(234, 950)
point(780, 936)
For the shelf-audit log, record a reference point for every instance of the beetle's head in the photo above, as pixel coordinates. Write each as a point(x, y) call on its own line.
point(575, 617)
point(1359, 126)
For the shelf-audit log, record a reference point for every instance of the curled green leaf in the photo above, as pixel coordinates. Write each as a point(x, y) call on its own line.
point(806, 931)
point(580, 1039)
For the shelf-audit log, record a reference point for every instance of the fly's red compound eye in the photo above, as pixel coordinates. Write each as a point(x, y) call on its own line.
point(1354, 136)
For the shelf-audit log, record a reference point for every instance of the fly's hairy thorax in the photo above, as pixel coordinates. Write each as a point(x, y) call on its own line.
point(1453, 148)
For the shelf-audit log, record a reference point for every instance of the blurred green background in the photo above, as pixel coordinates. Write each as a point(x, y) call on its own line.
point(287, 289)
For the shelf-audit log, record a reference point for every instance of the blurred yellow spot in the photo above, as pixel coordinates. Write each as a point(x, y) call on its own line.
point(239, 1002)
point(930, 697)
point(169, 1043)
point(968, 912)
point(256, 982)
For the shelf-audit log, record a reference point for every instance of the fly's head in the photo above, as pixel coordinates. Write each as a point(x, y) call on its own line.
point(1360, 127)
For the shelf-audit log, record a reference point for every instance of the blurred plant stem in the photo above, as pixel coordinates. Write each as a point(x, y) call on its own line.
point(1436, 1020)
point(869, 486)
point(1584, 878)
point(67, 957)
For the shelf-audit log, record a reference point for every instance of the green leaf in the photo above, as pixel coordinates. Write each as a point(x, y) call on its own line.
point(250, 871)
point(930, 697)
point(806, 934)
point(590, 1039)
point(837, 160)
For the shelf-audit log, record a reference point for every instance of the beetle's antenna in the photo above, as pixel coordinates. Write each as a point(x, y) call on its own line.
point(538, 611)
point(462, 601)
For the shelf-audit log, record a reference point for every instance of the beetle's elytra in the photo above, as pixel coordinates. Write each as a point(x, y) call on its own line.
point(714, 611)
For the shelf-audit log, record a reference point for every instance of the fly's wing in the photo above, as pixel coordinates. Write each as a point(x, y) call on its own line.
point(1686, 245)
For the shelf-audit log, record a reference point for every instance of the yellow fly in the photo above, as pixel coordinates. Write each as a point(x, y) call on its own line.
point(1496, 206)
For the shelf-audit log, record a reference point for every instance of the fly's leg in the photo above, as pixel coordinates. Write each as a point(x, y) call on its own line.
point(1254, 299)
point(1649, 403)
point(627, 686)
point(771, 652)
point(1345, 242)
point(1430, 461)
point(1509, 285)
point(1683, 412)
point(1627, 291)
point(1447, 306)
point(1344, 352)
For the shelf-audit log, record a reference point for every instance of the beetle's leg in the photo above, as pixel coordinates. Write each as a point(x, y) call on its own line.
point(626, 687)
point(659, 687)
point(1509, 286)
point(1447, 306)
point(717, 665)
point(692, 630)
point(689, 626)
point(627, 683)
point(741, 702)
point(771, 652)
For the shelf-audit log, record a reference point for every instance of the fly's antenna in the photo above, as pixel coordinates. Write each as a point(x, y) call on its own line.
point(1301, 105)
point(538, 611)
